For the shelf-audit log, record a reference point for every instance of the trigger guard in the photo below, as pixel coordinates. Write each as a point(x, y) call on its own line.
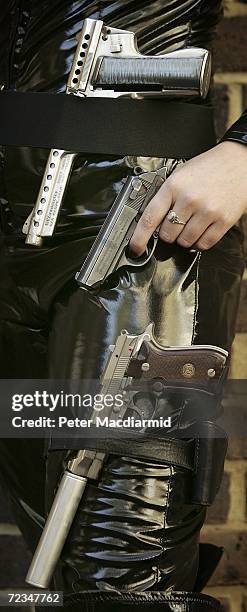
point(142, 260)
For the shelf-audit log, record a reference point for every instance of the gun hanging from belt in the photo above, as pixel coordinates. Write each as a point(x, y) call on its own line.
point(107, 64)
point(132, 358)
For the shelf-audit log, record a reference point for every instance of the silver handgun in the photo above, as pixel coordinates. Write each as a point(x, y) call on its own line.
point(107, 63)
point(86, 465)
point(133, 357)
point(110, 250)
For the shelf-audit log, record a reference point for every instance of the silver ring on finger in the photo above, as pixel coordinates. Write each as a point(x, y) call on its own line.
point(172, 217)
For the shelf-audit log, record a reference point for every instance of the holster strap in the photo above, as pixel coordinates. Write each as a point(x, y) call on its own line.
point(121, 126)
point(211, 449)
point(181, 453)
point(203, 455)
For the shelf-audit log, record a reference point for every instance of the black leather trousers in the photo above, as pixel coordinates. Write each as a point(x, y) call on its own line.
point(137, 528)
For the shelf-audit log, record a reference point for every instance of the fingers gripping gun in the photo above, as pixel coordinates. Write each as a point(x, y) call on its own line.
point(132, 357)
point(110, 249)
point(107, 63)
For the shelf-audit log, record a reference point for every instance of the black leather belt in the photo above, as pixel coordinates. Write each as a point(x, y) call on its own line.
point(121, 126)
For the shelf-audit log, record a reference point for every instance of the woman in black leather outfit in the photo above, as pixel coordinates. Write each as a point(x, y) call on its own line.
point(135, 537)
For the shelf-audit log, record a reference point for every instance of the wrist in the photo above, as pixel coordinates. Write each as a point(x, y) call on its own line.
point(234, 148)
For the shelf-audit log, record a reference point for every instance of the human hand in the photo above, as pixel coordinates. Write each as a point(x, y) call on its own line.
point(208, 193)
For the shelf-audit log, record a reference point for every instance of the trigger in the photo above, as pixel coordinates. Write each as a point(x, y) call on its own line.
point(156, 234)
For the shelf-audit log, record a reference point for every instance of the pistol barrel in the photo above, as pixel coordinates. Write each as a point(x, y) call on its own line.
point(44, 216)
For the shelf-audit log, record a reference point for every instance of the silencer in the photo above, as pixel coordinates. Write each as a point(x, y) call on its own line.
point(56, 530)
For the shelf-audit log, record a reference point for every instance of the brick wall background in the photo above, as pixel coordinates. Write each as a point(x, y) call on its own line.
point(226, 523)
point(227, 519)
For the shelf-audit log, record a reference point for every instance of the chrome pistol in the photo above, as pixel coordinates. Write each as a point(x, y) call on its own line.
point(131, 358)
point(107, 63)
